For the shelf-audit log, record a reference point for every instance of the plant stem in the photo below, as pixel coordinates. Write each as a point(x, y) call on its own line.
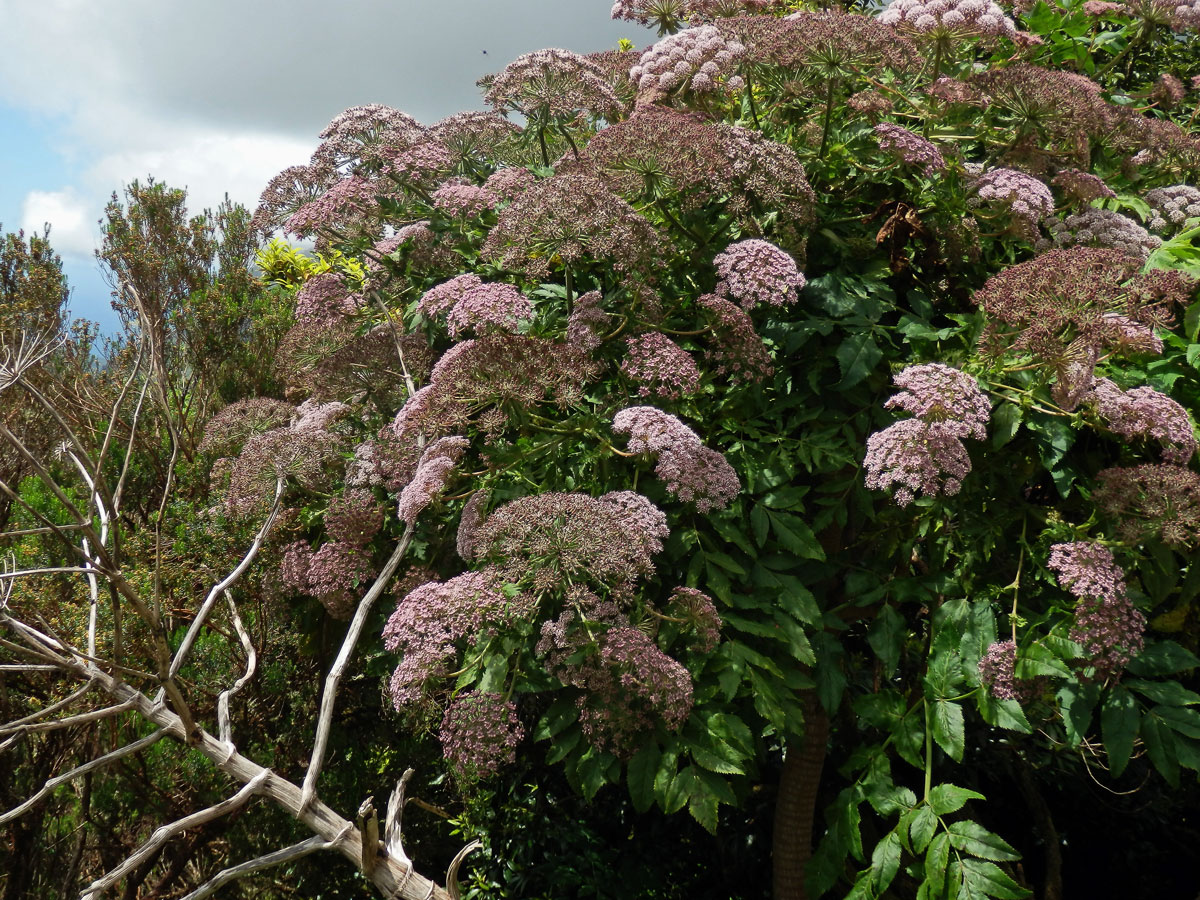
point(828, 117)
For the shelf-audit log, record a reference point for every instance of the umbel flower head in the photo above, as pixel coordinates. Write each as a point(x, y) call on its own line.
point(1095, 227)
point(660, 366)
point(822, 45)
point(365, 137)
point(756, 271)
point(1144, 412)
point(996, 670)
point(479, 734)
point(736, 349)
point(552, 84)
point(949, 19)
point(699, 59)
point(1172, 206)
point(1025, 199)
point(691, 471)
point(1152, 501)
point(917, 457)
point(935, 392)
point(909, 147)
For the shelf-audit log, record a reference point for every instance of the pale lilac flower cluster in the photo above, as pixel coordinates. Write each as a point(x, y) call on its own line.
point(1107, 624)
point(1082, 187)
point(229, 429)
point(553, 84)
point(736, 349)
point(1022, 196)
point(926, 454)
point(473, 515)
point(1146, 413)
point(691, 471)
point(463, 201)
point(1172, 206)
point(952, 90)
point(554, 540)
point(660, 366)
point(422, 164)
point(698, 614)
point(314, 417)
point(329, 574)
point(588, 322)
point(354, 518)
point(1161, 501)
point(918, 457)
point(431, 618)
point(474, 137)
point(489, 307)
point(301, 455)
point(667, 14)
point(437, 462)
point(956, 19)
point(1095, 227)
point(323, 300)
point(353, 196)
point(509, 183)
point(1187, 15)
point(700, 59)
point(440, 299)
point(870, 103)
point(1168, 91)
point(479, 734)
point(936, 392)
point(996, 670)
point(756, 271)
point(384, 461)
point(1129, 336)
point(909, 147)
point(287, 193)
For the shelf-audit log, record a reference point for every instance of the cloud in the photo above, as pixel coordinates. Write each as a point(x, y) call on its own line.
point(69, 216)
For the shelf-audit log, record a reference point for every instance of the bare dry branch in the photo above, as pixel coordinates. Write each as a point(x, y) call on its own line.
point(452, 871)
point(223, 724)
point(53, 707)
point(97, 763)
point(81, 719)
point(164, 833)
point(333, 679)
point(278, 857)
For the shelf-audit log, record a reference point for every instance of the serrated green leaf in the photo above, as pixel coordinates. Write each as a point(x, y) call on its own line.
point(679, 791)
point(924, 824)
point(760, 523)
point(885, 861)
point(704, 810)
point(948, 728)
point(1168, 693)
point(857, 356)
point(986, 879)
point(593, 768)
point(1160, 747)
point(1119, 726)
point(1163, 658)
point(937, 859)
point(562, 713)
point(1002, 713)
point(1078, 702)
point(795, 536)
point(643, 766)
point(948, 798)
point(971, 837)
point(1181, 720)
point(1006, 420)
point(886, 637)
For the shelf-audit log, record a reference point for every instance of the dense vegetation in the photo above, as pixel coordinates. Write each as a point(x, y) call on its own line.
point(758, 466)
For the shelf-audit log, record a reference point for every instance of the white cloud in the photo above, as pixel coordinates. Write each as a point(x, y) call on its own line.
point(70, 217)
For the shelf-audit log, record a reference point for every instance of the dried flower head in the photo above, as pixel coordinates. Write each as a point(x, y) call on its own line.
point(553, 84)
point(228, 430)
point(569, 219)
point(1159, 501)
point(909, 147)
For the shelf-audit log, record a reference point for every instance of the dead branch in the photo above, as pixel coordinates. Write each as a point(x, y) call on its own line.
point(278, 857)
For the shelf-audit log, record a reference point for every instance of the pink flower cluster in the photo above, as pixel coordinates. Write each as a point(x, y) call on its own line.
point(737, 349)
point(1025, 198)
point(1144, 412)
point(588, 322)
point(699, 615)
point(473, 515)
point(660, 366)
point(1082, 187)
point(957, 19)
point(463, 201)
point(691, 471)
point(437, 462)
point(909, 147)
point(510, 182)
point(329, 574)
point(354, 518)
point(936, 392)
point(470, 303)
point(554, 84)
point(700, 59)
point(1095, 227)
point(756, 271)
point(1161, 501)
point(1107, 624)
point(352, 194)
point(324, 300)
point(926, 454)
point(479, 734)
point(996, 670)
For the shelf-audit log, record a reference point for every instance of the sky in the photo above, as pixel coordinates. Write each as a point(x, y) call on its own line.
point(217, 97)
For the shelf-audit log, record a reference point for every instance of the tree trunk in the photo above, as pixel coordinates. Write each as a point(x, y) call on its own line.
point(795, 807)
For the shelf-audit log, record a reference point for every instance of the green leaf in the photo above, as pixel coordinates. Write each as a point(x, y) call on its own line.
point(1006, 420)
point(1168, 693)
point(948, 798)
point(948, 729)
point(986, 879)
point(1160, 747)
point(937, 858)
point(1037, 660)
point(857, 356)
point(760, 523)
point(1002, 713)
point(885, 861)
point(679, 791)
point(831, 680)
point(1163, 658)
point(944, 675)
point(1119, 727)
point(1183, 721)
point(971, 837)
point(1078, 701)
point(643, 766)
point(592, 772)
point(886, 638)
point(735, 536)
point(924, 824)
point(795, 536)
point(562, 712)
